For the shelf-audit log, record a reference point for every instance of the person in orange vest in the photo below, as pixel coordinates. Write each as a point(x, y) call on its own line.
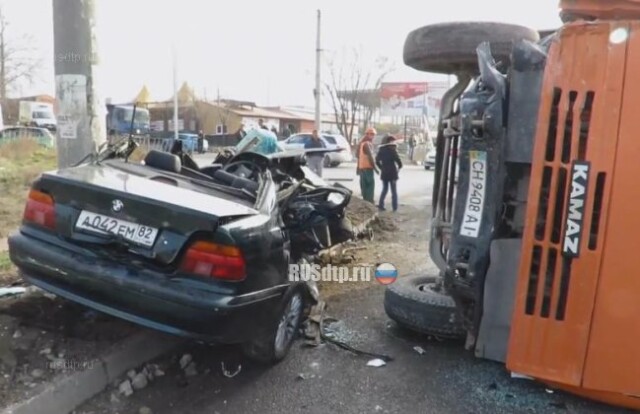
point(367, 165)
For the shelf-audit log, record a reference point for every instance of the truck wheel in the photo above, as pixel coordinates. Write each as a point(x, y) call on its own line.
point(273, 347)
point(450, 48)
point(416, 303)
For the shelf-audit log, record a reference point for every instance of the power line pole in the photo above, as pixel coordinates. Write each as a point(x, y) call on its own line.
point(81, 113)
point(318, 123)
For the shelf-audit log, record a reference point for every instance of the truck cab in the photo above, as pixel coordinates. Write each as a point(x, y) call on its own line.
point(119, 119)
point(37, 114)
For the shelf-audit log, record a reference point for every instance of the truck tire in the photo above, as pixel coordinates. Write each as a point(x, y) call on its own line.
point(450, 48)
point(413, 303)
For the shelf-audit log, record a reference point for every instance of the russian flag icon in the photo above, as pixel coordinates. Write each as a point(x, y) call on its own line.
point(386, 273)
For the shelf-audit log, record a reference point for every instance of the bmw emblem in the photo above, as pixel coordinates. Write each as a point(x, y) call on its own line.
point(117, 205)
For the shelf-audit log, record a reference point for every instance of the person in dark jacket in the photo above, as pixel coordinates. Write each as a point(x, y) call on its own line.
point(390, 164)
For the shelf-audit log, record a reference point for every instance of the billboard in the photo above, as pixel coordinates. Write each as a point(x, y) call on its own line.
point(411, 99)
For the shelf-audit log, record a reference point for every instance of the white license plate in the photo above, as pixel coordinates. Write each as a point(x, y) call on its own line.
point(475, 198)
point(133, 232)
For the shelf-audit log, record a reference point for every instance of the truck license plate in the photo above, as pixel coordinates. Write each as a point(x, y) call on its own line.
point(133, 232)
point(475, 198)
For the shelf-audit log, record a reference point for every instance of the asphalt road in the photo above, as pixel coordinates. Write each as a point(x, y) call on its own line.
point(414, 186)
point(445, 379)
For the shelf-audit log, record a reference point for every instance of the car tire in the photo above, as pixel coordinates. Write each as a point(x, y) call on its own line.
point(275, 345)
point(450, 48)
point(427, 168)
point(416, 303)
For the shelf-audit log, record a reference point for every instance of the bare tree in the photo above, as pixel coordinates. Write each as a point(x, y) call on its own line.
point(353, 89)
point(18, 61)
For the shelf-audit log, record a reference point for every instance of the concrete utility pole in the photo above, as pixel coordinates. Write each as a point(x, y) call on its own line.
point(318, 78)
point(81, 113)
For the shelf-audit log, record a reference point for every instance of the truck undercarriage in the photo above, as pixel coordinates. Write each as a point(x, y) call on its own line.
point(528, 143)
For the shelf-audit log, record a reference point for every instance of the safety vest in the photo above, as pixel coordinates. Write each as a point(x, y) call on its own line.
point(363, 159)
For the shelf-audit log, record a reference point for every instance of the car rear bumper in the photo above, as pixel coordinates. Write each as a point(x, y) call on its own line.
point(175, 305)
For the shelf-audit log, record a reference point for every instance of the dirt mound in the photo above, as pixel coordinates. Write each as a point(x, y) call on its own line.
point(384, 224)
point(359, 211)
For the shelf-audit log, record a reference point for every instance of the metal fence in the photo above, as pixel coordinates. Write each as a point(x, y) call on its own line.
point(162, 141)
point(149, 143)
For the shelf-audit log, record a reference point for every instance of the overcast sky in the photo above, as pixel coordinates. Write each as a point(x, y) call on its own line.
point(263, 51)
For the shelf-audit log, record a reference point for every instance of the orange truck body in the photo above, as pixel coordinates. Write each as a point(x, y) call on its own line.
point(603, 9)
point(576, 320)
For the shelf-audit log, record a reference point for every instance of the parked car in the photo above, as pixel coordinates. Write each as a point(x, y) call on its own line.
point(42, 136)
point(345, 154)
point(430, 159)
point(339, 144)
point(198, 252)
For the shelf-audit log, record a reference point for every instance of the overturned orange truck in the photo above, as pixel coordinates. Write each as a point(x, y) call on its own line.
point(535, 226)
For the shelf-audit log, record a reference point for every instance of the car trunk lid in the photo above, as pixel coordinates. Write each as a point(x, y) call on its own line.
point(103, 205)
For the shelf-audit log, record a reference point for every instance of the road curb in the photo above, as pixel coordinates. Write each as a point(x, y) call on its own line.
point(66, 392)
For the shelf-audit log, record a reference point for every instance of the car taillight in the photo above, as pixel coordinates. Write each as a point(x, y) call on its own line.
point(214, 260)
point(40, 209)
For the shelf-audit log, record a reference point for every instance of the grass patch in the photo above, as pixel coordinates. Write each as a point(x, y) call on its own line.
point(21, 162)
point(5, 262)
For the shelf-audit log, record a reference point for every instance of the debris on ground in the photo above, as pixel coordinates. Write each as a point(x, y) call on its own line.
point(140, 381)
point(419, 350)
point(12, 291)
point(190, 370)
point(125, 388)
point(155, 370)
point(377, 363)
point(303, 376)
point(338, 330)
point(145, 410)
point(37, 373)
point(315, 332)
point(230, 374)
point(185, 360)
point(188, 365)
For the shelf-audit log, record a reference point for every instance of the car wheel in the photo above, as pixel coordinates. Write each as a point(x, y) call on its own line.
point(450, 48)
point(273, 347)
point(426, 167)
point(418, 303)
